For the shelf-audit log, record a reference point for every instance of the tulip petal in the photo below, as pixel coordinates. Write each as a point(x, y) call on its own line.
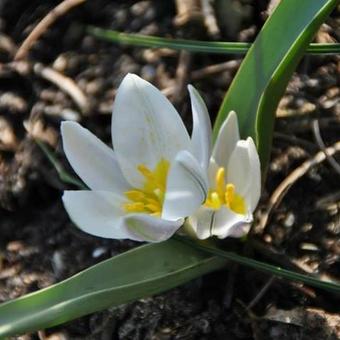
point(93, 161)
point(212, 170)
point(150, 228)
point(229, 224)
point(227, 138)
point(98, 213)
point(244, 172)
point(201, 133)
point(186, 187)
point(145, 128)
point(199, 224)
point(221, 223)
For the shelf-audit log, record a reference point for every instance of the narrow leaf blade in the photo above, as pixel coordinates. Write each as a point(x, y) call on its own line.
point(138, 273)
point(263, 76)
point(198, 46)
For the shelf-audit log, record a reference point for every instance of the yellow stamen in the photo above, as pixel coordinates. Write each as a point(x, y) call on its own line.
point(215, 200)
point(134, 195)
point(147, 173)
point(149, 199)
point(225, 195)
point(238, 205)
point(153, 207)
point(229, 194)
point(134, 207)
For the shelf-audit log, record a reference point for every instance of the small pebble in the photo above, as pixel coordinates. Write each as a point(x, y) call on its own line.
point(69, 114)
point(99, 252)
point(57, 262)
point(139, 8)
point(60, 63)
point(309, 246)
point(15, 246)
point(307, 227)
point(289, 220)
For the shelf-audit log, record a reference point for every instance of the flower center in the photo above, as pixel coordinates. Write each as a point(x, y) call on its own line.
point(150, 198)
point(224, 194)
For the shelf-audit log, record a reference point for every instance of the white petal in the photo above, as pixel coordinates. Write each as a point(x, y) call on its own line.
point(186, 187)
point(91, 159)
point(98, 213)
point(221, 223)
point(226, 140)
point(229, 224)
point(149, 228)
point(201, 133)
point(212, 170)
point(244, 172)
point(145, 127)
point(199, 224)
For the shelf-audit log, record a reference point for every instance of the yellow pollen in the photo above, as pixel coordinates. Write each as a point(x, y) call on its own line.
point(134, 195)
point(225, 194)
point(149, 199)
point(134, 207)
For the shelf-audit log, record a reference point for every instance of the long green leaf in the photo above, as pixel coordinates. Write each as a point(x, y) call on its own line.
point(333, 287)
point(263, 76)
point(138, 273)
point(197, 46)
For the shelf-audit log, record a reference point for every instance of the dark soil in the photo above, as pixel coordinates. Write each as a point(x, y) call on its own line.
point(39, 245)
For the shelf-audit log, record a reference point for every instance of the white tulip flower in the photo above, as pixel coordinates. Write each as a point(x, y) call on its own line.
point(235, 186)
point(155, 176)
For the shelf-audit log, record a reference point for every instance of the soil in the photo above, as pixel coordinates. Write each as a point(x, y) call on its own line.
point(40, 246)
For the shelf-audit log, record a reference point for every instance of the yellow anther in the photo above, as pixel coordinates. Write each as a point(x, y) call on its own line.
point(149, 199)
point(134, 207)
point(154, 201)
point(215, 200)
point(220, 182)
point(135, 195)
point(225, 195)
point(153, 207)
point(229, 193)
point(147, 173)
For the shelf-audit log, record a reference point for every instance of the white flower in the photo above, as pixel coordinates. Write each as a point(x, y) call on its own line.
point(156, 175)
point(235, 186)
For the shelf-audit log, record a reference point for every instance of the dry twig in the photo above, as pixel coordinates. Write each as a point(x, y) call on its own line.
point(188, 11)
point(210, 19)
point(317, 134)
point(182, 74)
point(66, 84)
point(207, 71)
point(261, 293)
point(44, 24)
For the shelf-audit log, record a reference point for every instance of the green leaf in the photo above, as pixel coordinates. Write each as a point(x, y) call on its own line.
point(192, 45)
point(264, 74)
point(333, 287)
point(143, 271)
